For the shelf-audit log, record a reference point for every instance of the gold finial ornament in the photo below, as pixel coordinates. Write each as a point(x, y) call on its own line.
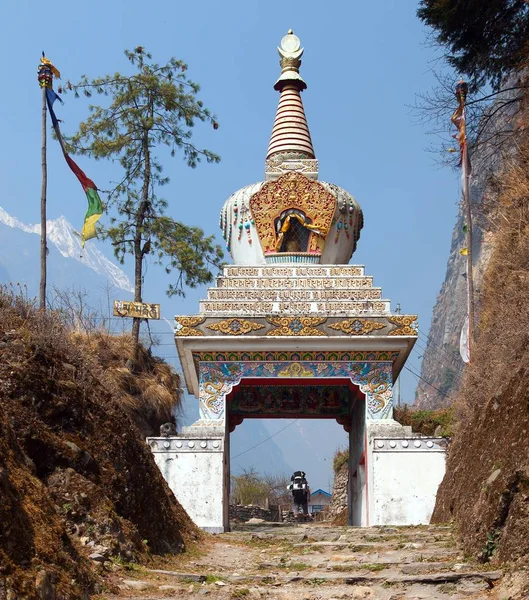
point(290, 52)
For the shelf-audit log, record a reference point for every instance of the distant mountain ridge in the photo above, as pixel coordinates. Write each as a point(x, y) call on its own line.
point(67, 241)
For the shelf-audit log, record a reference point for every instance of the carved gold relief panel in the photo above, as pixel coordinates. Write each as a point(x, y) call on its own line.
point(292, 190)
point(235, 326)
point(185, 326)
point(288, 326)
point(357, 326)
point(406, 324)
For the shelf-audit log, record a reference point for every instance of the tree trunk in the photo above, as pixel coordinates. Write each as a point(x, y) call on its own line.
point(43, 245)
point(138, 251)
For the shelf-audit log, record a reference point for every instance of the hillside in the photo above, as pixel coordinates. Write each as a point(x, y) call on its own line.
point(76, 477)
point(486, 487)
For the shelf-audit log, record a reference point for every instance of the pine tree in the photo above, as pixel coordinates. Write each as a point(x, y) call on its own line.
point(486, 40)
point(154, 107)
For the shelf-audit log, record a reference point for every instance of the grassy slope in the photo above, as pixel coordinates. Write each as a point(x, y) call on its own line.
point(73, 466)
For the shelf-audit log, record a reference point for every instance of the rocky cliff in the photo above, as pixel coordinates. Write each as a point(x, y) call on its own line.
point(442, 367)
point(486, 487)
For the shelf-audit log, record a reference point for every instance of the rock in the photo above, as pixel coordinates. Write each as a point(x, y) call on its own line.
point(167, 588)
point(168, 430)
point(97, 557)
point(361, 591)
point(472, 586)
point(460, 566)
point(44, 587)
point(493, 476)
point(103, 550)
point(256, 521)
point(220, 583)
point(135, 584)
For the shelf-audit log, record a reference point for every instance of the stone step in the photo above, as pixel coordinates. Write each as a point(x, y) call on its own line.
point(330, 538)
point(361, 578)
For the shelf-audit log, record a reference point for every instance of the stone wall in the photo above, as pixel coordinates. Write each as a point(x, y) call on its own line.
point(339, 494)
point(241, 514)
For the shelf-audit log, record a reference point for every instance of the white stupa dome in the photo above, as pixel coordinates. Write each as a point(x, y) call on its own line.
point(291, 217)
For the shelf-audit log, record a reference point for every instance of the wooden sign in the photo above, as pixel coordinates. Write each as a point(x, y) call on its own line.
point(140, 310)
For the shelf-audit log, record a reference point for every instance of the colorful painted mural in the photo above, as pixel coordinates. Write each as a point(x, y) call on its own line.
point(288, 400)
point(217, 379)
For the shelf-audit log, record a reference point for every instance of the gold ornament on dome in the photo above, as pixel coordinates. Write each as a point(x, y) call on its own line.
point(291, 326)
point(235, 326)
point(406, 324)
point(357, 326)
point(185, 326)
point(293, 191)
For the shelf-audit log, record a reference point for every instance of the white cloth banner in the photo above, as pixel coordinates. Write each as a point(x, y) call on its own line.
point(463, 342)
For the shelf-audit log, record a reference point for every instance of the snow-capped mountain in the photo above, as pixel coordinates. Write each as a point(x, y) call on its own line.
point(67, 240)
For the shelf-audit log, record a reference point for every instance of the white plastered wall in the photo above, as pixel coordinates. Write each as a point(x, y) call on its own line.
point(405, 477)
point(195, 469)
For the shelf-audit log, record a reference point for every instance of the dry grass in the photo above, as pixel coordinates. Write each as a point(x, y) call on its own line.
point(150, 395)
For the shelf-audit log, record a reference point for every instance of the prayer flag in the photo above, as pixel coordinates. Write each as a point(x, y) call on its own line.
point(95, 206)
point(464, 349)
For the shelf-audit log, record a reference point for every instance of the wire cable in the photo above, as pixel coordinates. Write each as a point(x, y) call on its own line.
point(427, 382)
point(428, 339)
point(264, 441)
point(449, 367)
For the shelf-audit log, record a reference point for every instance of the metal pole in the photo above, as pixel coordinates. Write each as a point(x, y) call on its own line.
point(397, 383)
point(43, 246)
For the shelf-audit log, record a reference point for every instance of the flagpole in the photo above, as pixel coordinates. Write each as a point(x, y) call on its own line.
point(43, 247)
point(459, 120)
point(470, 278)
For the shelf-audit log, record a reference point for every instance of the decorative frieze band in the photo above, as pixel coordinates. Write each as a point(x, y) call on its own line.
point(183, 444)
point(223, 293)
point(297, 325)
point(317, 283)
point(410, 445)
point(265, 308)
point(305, 271)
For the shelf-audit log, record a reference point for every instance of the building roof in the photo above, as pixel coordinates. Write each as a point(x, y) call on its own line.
point(321, 492)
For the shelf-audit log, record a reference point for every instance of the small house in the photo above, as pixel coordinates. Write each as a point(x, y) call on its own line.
point(318, 501)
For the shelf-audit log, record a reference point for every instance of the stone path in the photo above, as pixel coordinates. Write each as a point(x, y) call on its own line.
point(313, 562)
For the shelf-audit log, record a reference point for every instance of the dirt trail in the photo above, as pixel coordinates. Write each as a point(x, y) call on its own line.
point(313, 562)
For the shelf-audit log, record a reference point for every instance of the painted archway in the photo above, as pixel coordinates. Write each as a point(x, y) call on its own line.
point(217, 379)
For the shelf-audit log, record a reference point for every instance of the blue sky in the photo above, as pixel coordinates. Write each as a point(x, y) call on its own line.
point(364, 63)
